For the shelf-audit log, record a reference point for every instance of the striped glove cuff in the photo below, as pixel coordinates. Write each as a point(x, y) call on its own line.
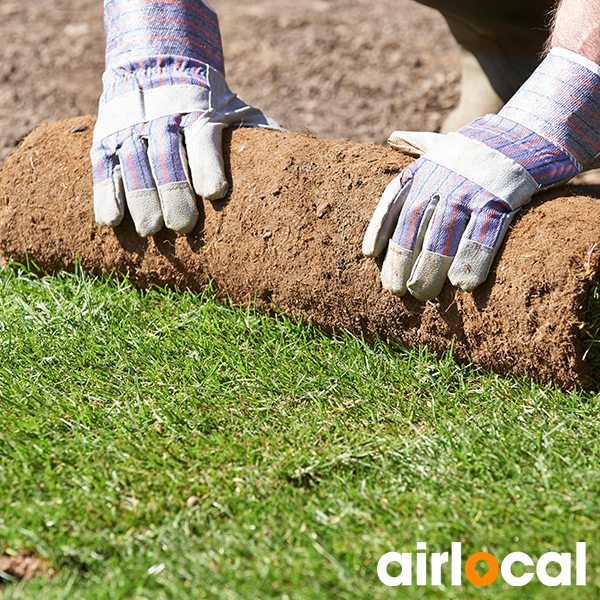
point(561, 103)
point(143, 28)
point(162, 57)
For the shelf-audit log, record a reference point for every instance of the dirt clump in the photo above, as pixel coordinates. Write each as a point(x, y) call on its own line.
point(23, 565)
point(288, 237)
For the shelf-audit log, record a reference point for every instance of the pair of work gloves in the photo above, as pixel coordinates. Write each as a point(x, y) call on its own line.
point(157, 144)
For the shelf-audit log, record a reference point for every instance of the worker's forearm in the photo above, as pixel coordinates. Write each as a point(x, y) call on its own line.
point(577, 28)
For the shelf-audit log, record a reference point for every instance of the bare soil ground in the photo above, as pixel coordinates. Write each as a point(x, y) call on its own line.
point(354, 69)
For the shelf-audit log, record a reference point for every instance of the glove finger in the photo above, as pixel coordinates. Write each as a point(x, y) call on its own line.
point(399, 261)
point(431, 267)
point(443, 236)
point(407, 241)
point(479, 244)
point(140, 191)
point(385, 217)
point(205, 157)
point(168, 162)
point(109, 200)
point(414, 218)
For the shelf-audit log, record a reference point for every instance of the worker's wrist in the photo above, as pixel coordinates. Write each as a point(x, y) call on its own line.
point(576, 28)
point(160, 86)
point(545, 162)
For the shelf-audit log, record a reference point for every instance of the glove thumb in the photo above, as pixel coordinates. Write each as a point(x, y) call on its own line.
point(205, 159)
point(414, 143)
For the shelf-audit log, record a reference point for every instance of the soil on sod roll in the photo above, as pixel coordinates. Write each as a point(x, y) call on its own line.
point(288, 237)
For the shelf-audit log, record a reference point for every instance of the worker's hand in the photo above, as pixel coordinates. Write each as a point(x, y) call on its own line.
point(162, 112)
point(446, 214)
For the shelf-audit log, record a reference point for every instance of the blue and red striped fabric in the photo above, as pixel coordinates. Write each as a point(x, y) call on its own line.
point(146, 73)
point(546, 162)
point(460, 202)
point(459, 198)
point(561, 102)
point(143, 28)
point(551, 127)
point(149, 154)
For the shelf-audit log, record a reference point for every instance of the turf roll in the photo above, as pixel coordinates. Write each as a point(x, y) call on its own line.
point(288, 239)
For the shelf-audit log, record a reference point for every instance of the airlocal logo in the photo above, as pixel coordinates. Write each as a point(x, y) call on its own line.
point(437, 559)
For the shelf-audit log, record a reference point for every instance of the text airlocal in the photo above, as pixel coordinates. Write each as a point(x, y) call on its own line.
point(563, 563)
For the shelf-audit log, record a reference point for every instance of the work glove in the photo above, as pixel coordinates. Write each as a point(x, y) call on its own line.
point(447, 213)
point(162, 112)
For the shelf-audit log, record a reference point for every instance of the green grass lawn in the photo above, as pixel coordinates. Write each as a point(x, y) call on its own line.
point(309, 456)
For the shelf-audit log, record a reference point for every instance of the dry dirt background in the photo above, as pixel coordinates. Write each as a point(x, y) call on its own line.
point(353, 69)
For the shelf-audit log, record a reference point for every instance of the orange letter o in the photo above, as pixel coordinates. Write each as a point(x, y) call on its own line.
point(473, 576)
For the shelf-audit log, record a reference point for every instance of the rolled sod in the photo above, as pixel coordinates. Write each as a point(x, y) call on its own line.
point(288, 239)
